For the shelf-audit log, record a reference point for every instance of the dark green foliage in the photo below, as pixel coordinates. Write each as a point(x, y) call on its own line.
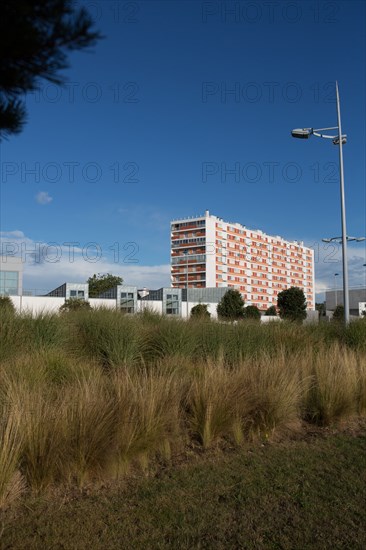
point(6, 305)
point(35, 36)
point(252, 312)
point(355, 334)
point(200, 312)
point(338, 314)
point(292, 304)
point(231, 306)
point(74, 304)
point(321, 308)
point(102, 282)
point(271, 311)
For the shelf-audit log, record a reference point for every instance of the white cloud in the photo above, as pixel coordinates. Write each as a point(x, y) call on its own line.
point(43, 197)
point(49, 275)
point(48, 265)
point(328, 261)
point(12, 235)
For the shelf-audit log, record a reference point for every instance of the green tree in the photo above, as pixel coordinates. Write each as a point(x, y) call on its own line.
point(6, 305)
point(338, 313)
point(200, 312)
point(74, 304)
point(231, 306)
point(35, 36)
point(102, 282)
point(292, 304)
point(252, 312)
point(271, 311)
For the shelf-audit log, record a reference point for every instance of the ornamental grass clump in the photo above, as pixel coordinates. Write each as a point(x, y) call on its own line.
point(147, 416)
point(11, 480)
point(335, 390)
point(214, 403)
point(108, 336)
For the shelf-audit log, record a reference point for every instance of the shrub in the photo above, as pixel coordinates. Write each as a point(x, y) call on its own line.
point(292, 304)
point(231, 306)
point(271, 311)
point(252, 312)
point(200, 312)
point(6, 305)
point(75, 304)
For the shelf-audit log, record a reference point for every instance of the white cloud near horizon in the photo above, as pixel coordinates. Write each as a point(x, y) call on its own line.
point(48, 265)
point(43, 197)
point(328, 261)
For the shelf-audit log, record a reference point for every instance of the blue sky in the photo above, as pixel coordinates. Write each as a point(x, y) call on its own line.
point(186, 106)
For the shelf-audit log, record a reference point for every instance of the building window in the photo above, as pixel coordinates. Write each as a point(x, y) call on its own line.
point(9, 283)
point(127, 302)
point(172, 304)
point(77, 294)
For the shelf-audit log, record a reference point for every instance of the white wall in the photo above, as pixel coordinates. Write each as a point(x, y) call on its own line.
point(268, 318)
point(210, 252)
point(49, 304)
point(156, 306)
point(37, 304)
point(211, 308)
point(102, 302)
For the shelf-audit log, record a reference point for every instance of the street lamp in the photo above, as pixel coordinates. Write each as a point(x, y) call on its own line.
point(339, 239)
point(340, 139)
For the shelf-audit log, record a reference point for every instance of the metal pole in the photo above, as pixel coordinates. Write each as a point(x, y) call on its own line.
point(335, 286)
point(187, 285)
point(343, 213)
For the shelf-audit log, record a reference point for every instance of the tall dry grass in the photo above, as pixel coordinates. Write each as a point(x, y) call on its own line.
point(336, 383)
point(111, 392)
point(11, 480)
point(148, 406)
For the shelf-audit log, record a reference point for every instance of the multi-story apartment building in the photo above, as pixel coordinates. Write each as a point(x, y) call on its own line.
point(206, 251)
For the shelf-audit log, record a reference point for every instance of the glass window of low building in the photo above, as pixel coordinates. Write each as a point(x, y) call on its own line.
point(77, 294)
point(172, 304)
point(9, 283)
point(127, 302)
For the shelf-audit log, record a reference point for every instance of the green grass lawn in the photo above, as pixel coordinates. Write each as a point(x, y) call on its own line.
point(296, 494)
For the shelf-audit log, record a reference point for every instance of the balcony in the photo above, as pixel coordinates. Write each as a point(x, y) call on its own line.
point(179, 259)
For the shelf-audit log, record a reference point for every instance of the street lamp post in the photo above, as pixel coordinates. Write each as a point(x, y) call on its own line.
point(336, 288)
point(305, 133)
point(186, 254)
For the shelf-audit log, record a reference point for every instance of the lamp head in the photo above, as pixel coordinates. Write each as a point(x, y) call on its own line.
point(302, 133)
point(344, 140)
